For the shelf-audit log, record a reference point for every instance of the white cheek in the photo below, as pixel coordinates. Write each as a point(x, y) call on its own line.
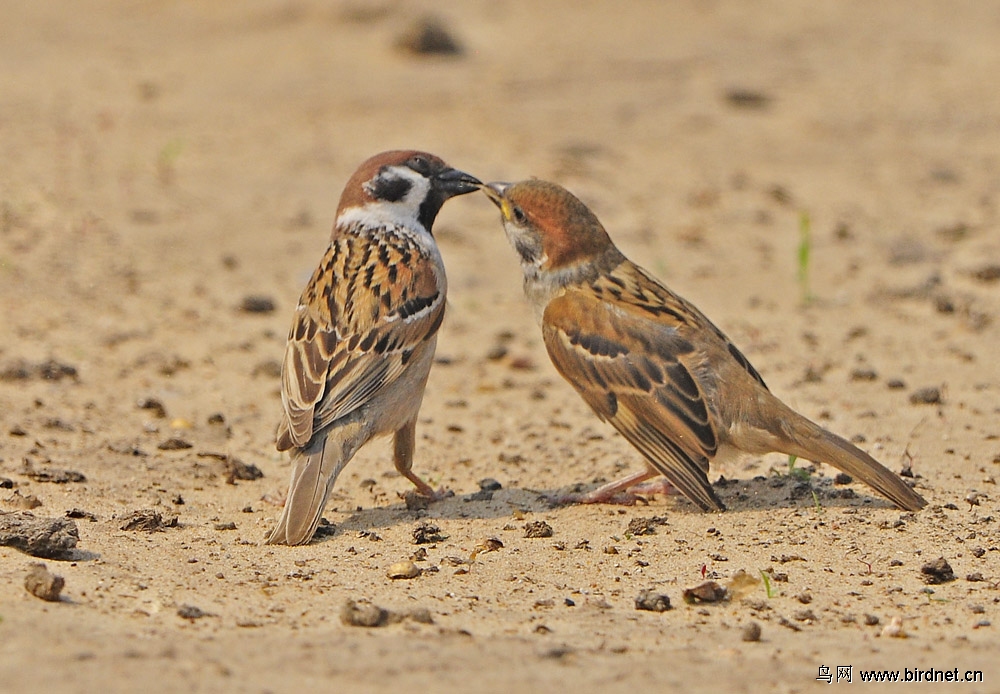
point(402, 213)
point(419, 188)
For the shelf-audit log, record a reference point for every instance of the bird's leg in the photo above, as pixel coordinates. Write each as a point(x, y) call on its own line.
point(403, 445)
point(625, 491)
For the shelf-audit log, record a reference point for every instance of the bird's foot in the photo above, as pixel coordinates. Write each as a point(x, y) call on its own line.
point(424, 495)
point(622, 498)
point(628, 491)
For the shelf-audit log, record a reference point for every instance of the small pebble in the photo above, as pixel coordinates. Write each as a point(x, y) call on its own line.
point(864, 374)
point(751, 632)
point(44, 584)
point(894, 629)
point(257, 303)
point(403, 569)
point(489, 484)
point(429, 36)
point(926, 396)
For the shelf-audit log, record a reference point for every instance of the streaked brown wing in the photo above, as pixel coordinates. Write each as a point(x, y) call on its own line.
point(636, 372)
point(370, 308)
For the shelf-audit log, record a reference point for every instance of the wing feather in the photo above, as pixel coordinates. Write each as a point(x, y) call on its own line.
point(638, 372)
point(364, 316)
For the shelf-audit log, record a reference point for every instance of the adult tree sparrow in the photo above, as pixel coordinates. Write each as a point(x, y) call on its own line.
point(363, 335)
point(649, 362)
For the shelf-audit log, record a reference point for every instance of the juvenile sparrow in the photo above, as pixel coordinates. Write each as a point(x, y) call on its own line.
point(363, 335)
point(649, 362)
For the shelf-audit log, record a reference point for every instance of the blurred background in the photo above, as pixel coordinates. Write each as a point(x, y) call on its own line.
point(821, 178)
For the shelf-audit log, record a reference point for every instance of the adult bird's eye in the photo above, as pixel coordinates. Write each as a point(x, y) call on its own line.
point(519, 215)
point(420, 164)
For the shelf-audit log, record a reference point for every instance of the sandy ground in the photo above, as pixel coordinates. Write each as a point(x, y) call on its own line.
point(162, 162)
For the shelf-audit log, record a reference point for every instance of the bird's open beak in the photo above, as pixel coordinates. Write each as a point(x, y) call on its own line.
point(455, 182)
point(494, 191)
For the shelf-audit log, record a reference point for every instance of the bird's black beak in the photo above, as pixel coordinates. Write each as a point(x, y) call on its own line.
point(453, 182)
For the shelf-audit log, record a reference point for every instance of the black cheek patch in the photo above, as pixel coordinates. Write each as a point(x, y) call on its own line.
point(388, 188)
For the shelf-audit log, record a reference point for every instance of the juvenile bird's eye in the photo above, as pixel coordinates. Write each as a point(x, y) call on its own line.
point(519, 215)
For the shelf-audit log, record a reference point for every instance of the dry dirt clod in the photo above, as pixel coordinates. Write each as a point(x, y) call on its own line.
point(55, 475)
point(191, 613)
point(709, 591)
point(80, 513)
point(743, 97)
point(427, 533)
point(488, 484)
point(651, 601)
point(43, 584)
point(415, 501)
point(937, 571)
point(421, 615)
point(536, 529)
point(22, 502)
point(491, 544)
point(429, 36)
point(51, 538)
point(154, 406)
point(864, 374)
point(788, 624)
point(234, 468)
point(804, 616)
point(50, 370)
point(645, 526)
point(147, 520)
point(481, 495)
point(174, 444)
point(363, 615)
point(987, 273)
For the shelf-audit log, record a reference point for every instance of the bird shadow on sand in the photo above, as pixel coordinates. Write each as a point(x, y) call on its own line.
point(759, 493)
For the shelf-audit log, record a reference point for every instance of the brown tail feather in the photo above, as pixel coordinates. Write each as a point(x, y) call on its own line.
point(314, 471)
point(810, 441)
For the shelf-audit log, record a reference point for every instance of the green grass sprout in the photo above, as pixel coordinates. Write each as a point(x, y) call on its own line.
point(767, 583)
point(804, 256)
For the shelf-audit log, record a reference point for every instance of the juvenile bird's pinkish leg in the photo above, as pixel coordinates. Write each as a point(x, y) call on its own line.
point(625, 491)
